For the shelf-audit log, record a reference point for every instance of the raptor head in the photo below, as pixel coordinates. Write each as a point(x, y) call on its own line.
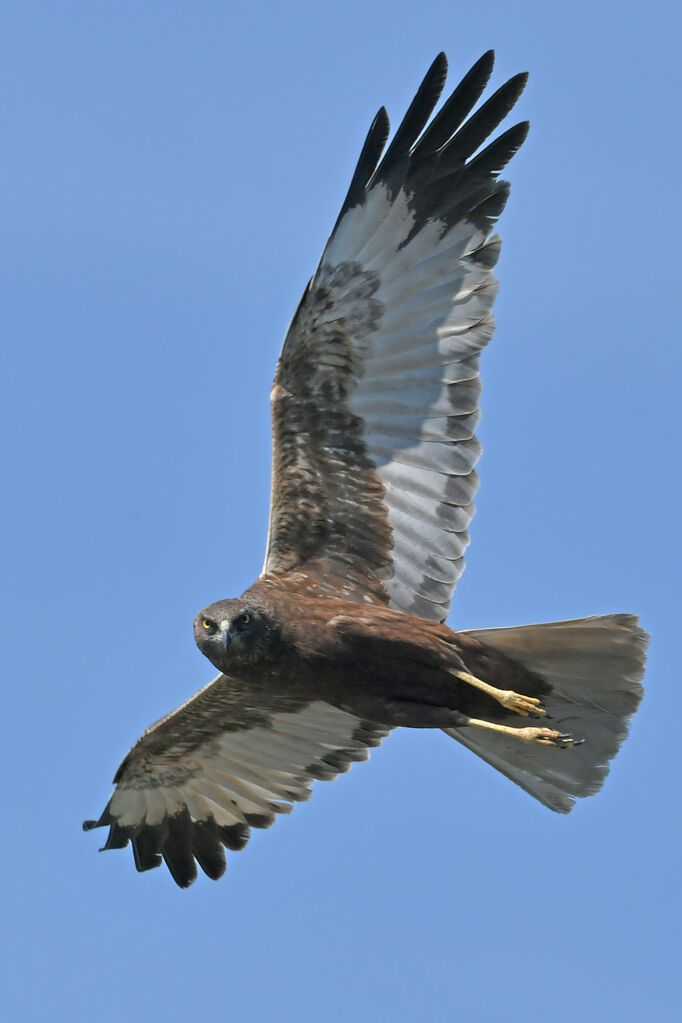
point(232, 633)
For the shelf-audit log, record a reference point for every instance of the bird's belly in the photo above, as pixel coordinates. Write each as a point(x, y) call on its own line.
point(370, 686)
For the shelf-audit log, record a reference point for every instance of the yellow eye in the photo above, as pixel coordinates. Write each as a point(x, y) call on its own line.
point(245, 619)
point(207, 623)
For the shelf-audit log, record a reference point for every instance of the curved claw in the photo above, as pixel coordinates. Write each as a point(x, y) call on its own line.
point(548, 737)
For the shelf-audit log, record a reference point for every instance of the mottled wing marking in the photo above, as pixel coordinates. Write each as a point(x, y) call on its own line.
point(375, 400)
point(224, 762)
point(329, 505)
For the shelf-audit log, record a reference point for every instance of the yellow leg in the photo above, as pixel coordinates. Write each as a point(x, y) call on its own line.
point(536, 736)
point(507, 697)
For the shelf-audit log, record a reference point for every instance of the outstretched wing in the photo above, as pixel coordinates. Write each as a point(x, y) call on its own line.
point(375, 398)
point(227, 760)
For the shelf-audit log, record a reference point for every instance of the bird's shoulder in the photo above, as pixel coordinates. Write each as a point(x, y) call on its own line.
point(323, 623)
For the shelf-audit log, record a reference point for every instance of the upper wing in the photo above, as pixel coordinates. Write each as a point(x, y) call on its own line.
point(375, 398)
point(228, 759)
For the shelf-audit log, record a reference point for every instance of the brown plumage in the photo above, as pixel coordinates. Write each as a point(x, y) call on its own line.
point(374, 406)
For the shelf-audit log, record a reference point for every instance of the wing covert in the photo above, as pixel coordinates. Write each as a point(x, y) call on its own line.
point(375, 398)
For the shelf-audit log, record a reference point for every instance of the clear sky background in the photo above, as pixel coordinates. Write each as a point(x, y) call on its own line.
point(169, 174)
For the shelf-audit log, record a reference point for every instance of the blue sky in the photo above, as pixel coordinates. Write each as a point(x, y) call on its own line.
point(169, 175)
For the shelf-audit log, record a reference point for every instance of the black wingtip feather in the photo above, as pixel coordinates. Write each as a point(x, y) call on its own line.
point(178, 841)
point(497, 155)
point(414, 121)
point(486, 119)
point(485, 213)
point(436, 163)
point(208, 850)
point(117, 838)
point(147, 846)
point(177, 850)
point(235, 836)
point(146, 858)
point(457, 107)
point(370, 154)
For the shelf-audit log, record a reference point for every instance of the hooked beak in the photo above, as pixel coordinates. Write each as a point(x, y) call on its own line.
point(225, 636)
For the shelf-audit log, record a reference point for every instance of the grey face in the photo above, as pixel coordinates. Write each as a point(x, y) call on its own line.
point(231, 632)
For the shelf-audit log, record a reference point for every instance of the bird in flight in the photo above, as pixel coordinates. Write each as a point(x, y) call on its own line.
point(342, 637)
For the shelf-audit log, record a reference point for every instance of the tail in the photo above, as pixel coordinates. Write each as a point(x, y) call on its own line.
point(594, 666)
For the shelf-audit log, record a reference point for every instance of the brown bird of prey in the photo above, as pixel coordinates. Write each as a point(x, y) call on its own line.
point(341, 639)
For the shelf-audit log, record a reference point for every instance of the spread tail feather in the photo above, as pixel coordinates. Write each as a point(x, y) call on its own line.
point(594, 666)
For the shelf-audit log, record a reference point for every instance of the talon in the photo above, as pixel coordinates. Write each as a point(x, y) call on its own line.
point(548, 737)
